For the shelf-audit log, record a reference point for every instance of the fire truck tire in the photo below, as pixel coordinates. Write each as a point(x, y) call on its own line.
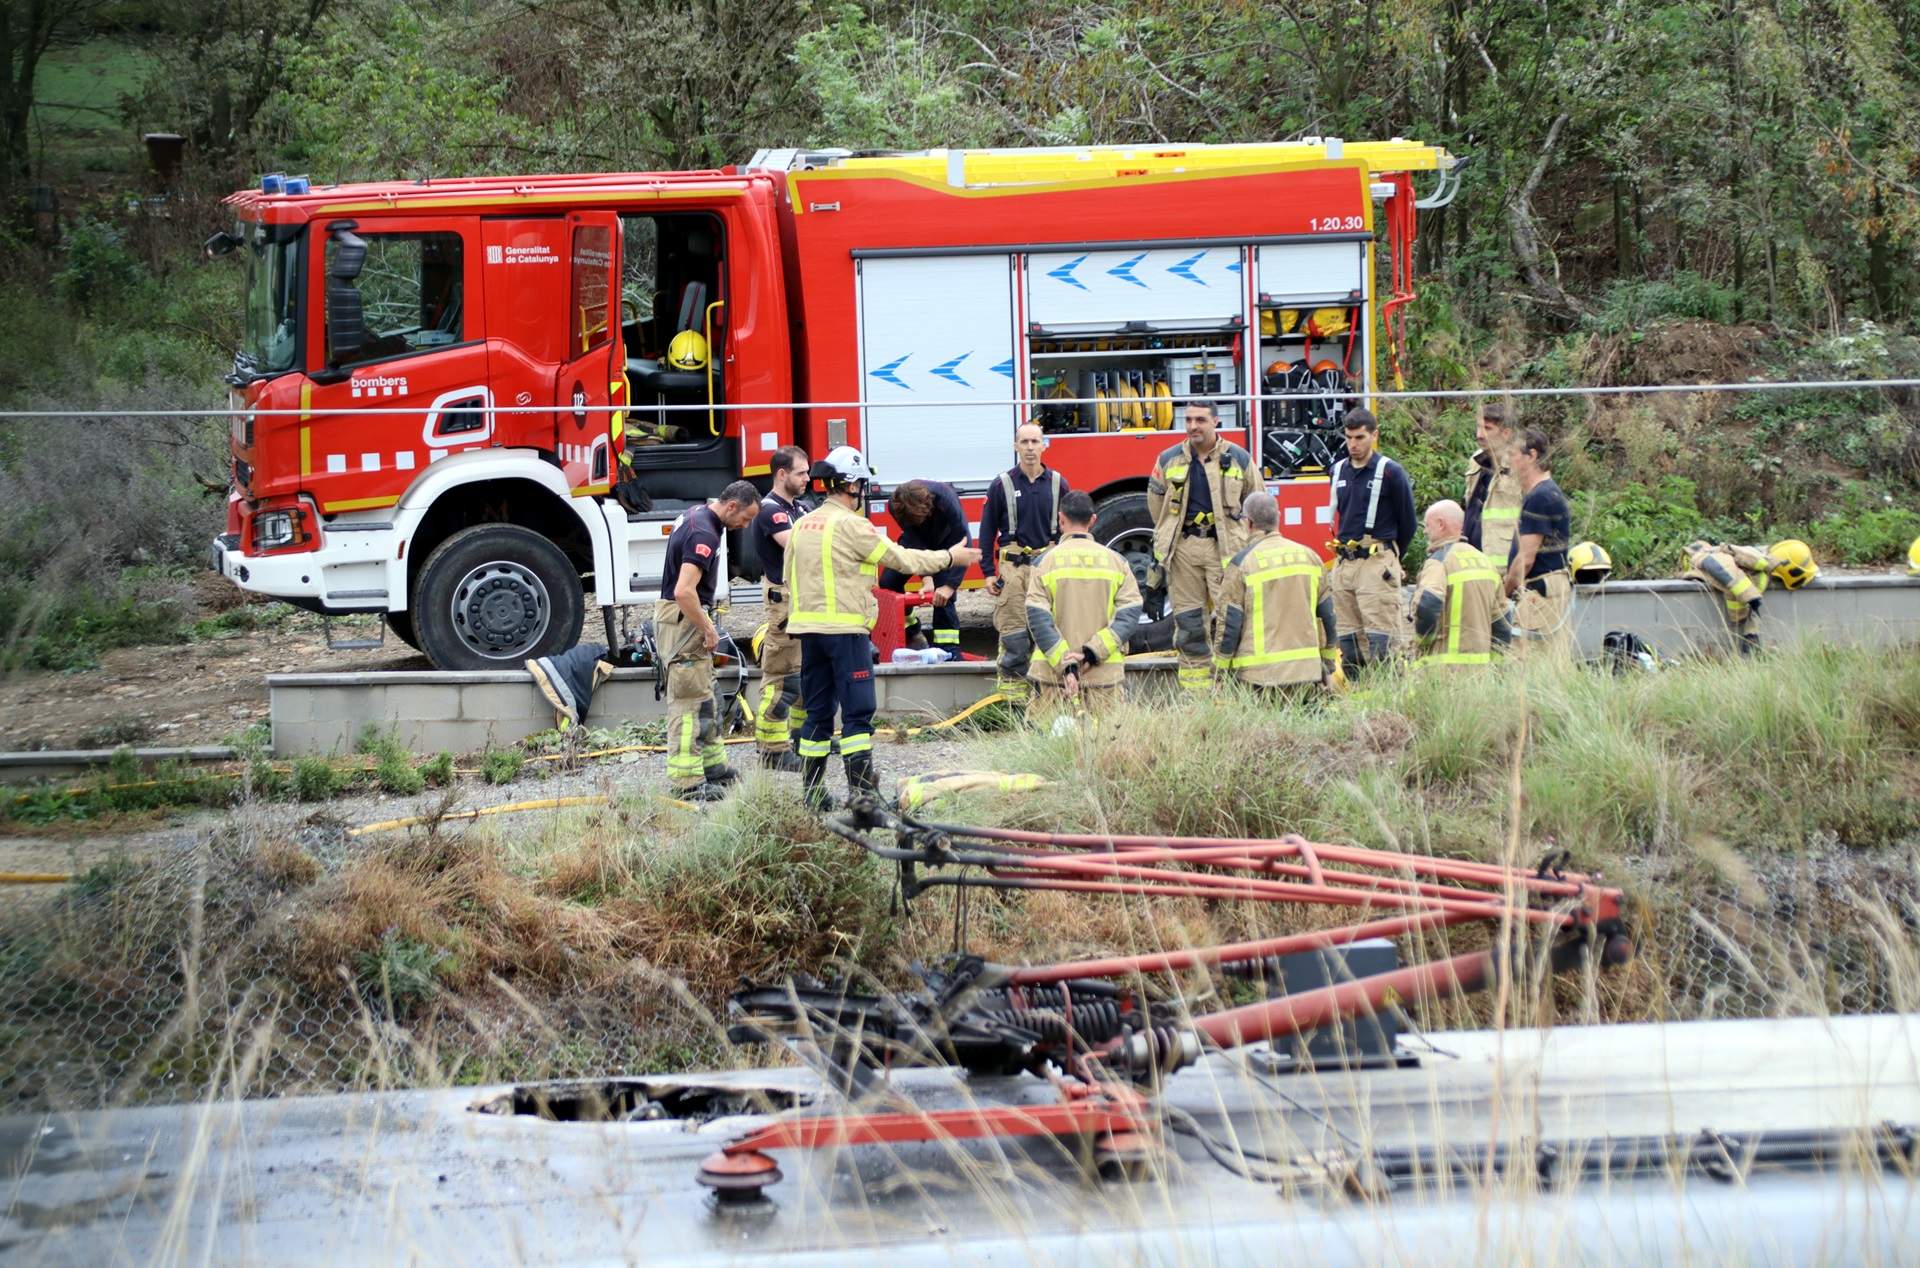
point(401, 623)
point(494, 595)
point(1122, 524)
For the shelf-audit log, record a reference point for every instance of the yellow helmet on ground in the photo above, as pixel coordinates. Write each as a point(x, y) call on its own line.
point(1913, 558)
point(688, 351)
point(1793, 564)
point(1590, 563)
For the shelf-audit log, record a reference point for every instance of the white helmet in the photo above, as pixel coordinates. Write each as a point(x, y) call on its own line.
point(844, 466)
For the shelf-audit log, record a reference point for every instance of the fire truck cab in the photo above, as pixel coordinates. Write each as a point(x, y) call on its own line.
point(475, 404)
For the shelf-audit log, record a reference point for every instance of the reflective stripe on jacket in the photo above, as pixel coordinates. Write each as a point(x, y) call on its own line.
point(1230, 477)
point(1493, 507)
point(834, 556)
point(1467, 587)
point(1080, 594)
point(1272, 633)
point(1738, 574)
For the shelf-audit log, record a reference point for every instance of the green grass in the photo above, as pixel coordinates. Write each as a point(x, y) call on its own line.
point(78, 96)
point(1762, 754)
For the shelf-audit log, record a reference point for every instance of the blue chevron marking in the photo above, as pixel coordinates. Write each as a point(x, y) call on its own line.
point(1124, 271)
point(886, 372)
point(1065, 272)
point(1005, 367)
point(1185, 268)
point(948, 370)
point(1234, 267)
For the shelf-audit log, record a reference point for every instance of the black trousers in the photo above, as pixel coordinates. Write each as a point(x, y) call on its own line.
point(836, 675)
point(946, 621)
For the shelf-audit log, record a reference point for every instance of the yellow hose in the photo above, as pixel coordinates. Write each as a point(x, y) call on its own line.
point(79, 789)
point(34, 878)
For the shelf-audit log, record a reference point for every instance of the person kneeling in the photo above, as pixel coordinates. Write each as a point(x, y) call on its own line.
point(1082, 605)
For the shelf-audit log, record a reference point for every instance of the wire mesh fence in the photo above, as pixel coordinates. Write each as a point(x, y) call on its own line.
point(144, 984)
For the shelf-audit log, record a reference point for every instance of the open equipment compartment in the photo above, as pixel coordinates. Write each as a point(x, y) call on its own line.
point(1314, 337)
point(1135, 331)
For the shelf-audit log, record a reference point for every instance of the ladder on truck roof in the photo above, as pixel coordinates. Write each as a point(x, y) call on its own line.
point(1070, 163)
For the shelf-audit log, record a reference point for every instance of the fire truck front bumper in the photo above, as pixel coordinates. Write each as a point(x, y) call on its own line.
point(349, 573)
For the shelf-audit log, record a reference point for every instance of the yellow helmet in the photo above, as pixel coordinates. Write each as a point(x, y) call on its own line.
point(688, 351)
point(1590, 563)
point(1793, 564)
point(1913, 558)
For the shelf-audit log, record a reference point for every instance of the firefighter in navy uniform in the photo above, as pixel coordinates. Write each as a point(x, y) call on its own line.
point(1372, 503)
point(780, 713)
point(930, 518)
point(1537, 577)
point(833, 558)
point(1020, 519)
point(685, 638)
point(1194, 497)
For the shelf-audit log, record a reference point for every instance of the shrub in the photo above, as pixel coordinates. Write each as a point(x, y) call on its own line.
point(501, 765)
point(316, 779)
point(401, 973)
point(394, 772)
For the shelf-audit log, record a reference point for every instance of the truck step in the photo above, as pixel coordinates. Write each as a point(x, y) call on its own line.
point(356, 642)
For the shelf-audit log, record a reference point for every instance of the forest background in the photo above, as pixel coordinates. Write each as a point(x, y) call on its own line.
point(1704, 191)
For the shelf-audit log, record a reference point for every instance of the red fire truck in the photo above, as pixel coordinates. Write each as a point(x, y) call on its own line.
point(454, 403)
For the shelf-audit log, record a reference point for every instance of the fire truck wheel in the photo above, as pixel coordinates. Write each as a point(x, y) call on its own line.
point(401, 623)
point(494, 595)
point(1123, 525)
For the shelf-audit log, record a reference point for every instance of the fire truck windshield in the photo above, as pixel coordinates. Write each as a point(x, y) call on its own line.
point(272, 342)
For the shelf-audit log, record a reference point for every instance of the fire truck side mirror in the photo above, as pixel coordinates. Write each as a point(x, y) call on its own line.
point(346, 255)
point(346, 321)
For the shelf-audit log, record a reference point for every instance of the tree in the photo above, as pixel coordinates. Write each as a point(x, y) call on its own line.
point(28, 29)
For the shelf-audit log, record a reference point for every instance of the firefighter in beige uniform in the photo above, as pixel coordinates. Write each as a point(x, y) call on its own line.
point(1739, 576)
point(1372, 508)
point(780, 711)
point(1493, 492)
point(685, 638)
point(1277, 632)
point(1082, 605)
point(834, 557)
point(1194, 497)
point(1458, 612)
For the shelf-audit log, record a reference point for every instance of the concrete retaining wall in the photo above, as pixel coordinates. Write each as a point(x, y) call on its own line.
point(464, 712)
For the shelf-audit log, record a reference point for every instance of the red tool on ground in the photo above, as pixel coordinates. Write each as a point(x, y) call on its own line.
point(1089, 1027)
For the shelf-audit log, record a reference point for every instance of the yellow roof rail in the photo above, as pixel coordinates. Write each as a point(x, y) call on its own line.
point(1053, 166)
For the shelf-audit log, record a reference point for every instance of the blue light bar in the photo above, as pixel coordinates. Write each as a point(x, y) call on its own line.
point(273, 183)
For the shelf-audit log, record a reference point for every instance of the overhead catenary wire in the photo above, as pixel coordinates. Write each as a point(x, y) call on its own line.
point(1474, 393)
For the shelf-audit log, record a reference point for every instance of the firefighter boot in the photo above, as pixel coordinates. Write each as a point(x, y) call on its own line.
point(1378, 646)
point(861, 779)
point(722, 775)
point(813, 782)
point(783, 761)
point(1350, 660)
